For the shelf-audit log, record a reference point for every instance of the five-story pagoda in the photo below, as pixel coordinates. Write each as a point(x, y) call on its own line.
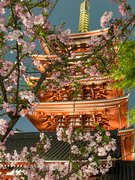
point(97, 101)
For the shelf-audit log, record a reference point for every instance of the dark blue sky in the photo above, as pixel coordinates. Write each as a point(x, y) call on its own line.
point(68, 11)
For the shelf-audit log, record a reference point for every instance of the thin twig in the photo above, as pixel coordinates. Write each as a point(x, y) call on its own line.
point(40, 28)
point(133, 151)
point(71, 139)
point(18, 76)
point(3, 89)
point(33, 39)
point(86, 163)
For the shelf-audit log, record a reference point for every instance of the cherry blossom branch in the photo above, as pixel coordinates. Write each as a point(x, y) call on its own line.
point(14, 119)
point(32, 40)
point(133, 151)
point(3, 89)
point(52, 8)
point(40, 28)
point(74, 170)
point(71, 139)
point(3, 114)
point(63, 46)
point(51, 48)
point(123, 44)
point(11, 124)
point(11, 9)
point(43, 76)
point(106, 44)
point(35, 58)
point(86, 163)
point(18, 76)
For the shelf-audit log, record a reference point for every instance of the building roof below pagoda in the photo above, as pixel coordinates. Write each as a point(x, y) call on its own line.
point(123, 170)
point(59, 150)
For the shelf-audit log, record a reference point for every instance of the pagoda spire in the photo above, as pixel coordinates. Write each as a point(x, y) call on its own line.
point(84, 16)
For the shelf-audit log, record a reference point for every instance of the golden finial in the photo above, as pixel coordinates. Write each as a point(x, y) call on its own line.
point(84, 16)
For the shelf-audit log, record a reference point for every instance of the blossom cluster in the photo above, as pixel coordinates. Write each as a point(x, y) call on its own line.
point(3, 126)
point(106, 18)
point(99, 144)
point(122, 9)
point(36, 167)
point(30, 158)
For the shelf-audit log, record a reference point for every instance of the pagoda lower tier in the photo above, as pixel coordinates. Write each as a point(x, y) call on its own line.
point(107, 113)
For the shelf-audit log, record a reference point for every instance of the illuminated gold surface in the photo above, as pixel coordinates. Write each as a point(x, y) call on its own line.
point(84, 17)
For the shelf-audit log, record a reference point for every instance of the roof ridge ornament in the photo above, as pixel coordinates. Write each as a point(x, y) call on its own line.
point(84, 17)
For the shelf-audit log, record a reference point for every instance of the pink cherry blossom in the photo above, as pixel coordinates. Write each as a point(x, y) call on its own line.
point(2, 10)
point(122, 10)
point(2, 20)
point(36, 63)
point(39, 19)
point(18, 8)
point(58, 74)
point(9, 89)
point(105, 19)
point(99, 138)
point(22, 112)
point(6, 107)
point(108, 133)
point(72, 55)
point(94, 41)
point(108, 158)
point(12, 132)
point(108, 147)
point(64, 36)
point(13, 35)
point(40, 164)
point(101, 151)
point(117, 32)
point(28, 48)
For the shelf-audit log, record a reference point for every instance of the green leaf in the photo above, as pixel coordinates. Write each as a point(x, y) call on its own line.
point(74, 165)
point(19, 27)
point(19, 23)
point(78, 173)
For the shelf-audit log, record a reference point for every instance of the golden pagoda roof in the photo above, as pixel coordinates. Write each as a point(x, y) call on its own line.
point(84, 16)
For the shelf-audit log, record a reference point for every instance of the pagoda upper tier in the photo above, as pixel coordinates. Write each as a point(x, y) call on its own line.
point(98, 102)
point(78, 39)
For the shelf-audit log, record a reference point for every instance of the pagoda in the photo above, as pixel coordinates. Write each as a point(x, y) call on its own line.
point(98, 102)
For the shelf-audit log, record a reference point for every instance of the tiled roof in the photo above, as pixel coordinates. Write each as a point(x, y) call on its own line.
point(59, 150)
point(129, 128)
point(123, 170)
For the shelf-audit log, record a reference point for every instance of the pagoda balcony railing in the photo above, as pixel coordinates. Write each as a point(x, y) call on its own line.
point(50, 122)
point(89, 92)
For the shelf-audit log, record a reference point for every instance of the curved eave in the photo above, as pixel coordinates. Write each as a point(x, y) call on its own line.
point(78, 38)
point(36, 57)
point(126, 131)
point(84, 81)
point(93, 101)
point(81, 105)
point(88, 34)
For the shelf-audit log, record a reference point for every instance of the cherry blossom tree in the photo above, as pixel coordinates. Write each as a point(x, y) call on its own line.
point(17, 36)
point(23, 27)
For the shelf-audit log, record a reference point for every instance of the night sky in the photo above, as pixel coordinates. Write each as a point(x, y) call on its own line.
point(68, 11)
